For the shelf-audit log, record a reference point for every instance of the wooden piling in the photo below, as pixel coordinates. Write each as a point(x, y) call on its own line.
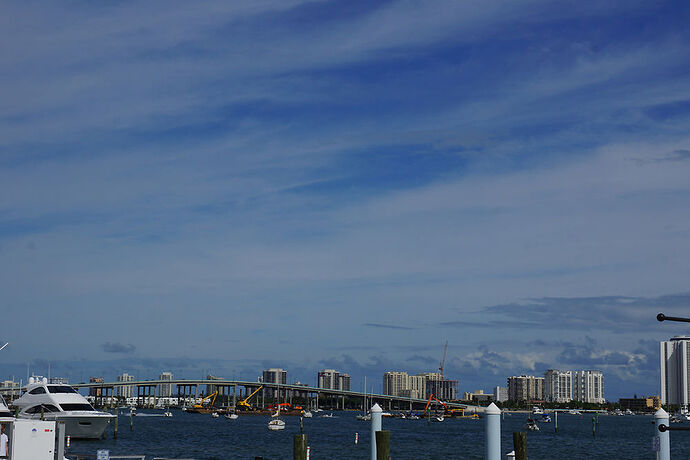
point(520, 445)
point(131, 420)
point(383, 447)
point(115, 424)
point(299, 447)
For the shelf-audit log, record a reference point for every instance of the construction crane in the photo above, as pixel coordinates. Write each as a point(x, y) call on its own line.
point(443, 360)
point(205, 401)
point(244, 404)
point(428, 403)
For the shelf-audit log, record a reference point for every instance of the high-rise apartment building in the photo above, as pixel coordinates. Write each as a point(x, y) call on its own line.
point(500, 394)
point(274, 375)
point(419, 386)
point(165, 389)
point(394, 383)
point(525, 388)
point(558, 386)
point(674, 356)
point(344, 380)
point(588, 387)
point(329, 379)
point(125, 391)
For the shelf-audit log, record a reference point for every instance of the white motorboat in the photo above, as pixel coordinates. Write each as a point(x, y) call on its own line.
point(440, 418)
point(276, 424)
point(531, 425)
point(307, 414)
point(61, 402)
point(167, 413)
point(536, 410)
point(364, 417)
point(232, 416)
point(214, 414)
point(574, 412)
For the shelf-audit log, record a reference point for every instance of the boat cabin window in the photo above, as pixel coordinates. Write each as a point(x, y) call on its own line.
point(61, 389)
point(46, 408)
point(37, 391)
point(76, 406)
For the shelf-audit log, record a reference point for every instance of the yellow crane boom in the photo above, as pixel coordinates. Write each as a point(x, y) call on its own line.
point(244, 404)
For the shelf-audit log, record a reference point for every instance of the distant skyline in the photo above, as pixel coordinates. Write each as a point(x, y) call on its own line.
point(231, 186)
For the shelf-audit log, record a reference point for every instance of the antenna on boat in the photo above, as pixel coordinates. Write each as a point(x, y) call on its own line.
point(2, 347)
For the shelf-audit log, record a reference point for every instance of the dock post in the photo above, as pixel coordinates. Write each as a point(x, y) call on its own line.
point(555, 424)
point(299, 447)
point(661, 418)
point(383, 445)
point(520, 445)
point(376, 417)
point(131, 421)
point(594, 427)
point(493, 432)
point(60, 434)
point(115, 424)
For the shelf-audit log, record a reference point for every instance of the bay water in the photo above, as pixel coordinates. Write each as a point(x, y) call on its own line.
point(201, 437)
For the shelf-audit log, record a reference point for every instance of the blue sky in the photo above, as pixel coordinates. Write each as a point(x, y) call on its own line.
point(226, 186)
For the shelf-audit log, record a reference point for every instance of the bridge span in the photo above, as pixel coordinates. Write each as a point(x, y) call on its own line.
point(147, 390)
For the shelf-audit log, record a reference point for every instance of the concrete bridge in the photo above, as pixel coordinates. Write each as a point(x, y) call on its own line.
point(147, 390)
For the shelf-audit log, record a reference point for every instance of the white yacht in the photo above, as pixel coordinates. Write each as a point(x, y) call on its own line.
point(61, 402)
point(5, 413)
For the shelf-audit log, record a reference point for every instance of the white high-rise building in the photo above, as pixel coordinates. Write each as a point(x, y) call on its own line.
point(165, 389)
point(125, 391)
point(395, 383)
point(329, 379)
point(674, 356)
point(558, 386)
point(501, 394)
point(588, 386)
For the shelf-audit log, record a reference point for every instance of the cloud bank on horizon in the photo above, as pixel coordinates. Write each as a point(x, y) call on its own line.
point(314, 184)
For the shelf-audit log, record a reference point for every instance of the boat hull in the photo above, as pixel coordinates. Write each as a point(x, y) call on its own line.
point(78, 426)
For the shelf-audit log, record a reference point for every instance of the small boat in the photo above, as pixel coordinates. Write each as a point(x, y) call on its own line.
point(629, 412)
point(307, 414)
point(545, 418)
point(167, 413)
point(440, 418)
point(327, 415)
point(214, 414)
point(674, 419)
point(413, 417)
point(232, 416)
point(536, 410)
point(574, 412)
point(364, 417)
point(276, 424)
point(531, 425)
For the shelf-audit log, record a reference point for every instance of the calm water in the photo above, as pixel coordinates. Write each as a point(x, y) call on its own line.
point(203, 437)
